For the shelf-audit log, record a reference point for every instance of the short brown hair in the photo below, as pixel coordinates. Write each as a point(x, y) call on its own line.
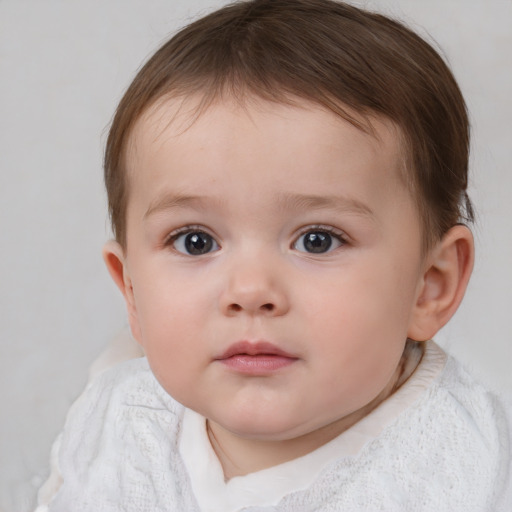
point(328, 52)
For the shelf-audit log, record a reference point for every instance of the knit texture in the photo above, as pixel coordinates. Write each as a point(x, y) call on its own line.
point(449, 451)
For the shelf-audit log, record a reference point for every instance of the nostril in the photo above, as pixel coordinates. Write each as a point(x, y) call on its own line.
point(237, 308)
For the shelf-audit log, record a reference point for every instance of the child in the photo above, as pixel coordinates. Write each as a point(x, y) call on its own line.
point(287, 186)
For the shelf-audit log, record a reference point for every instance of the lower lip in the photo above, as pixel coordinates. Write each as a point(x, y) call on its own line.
point(260, 364)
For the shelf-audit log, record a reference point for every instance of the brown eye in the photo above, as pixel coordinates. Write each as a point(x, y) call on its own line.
point(195, 243)
point(317, 242)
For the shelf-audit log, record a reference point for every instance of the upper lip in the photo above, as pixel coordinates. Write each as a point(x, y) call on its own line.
point(254, 349)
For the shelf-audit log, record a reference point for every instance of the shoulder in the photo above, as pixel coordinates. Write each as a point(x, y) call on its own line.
point(125, 395)
point(452, 447)
point(123, 429)
point(129, 385)
point(470, 427)
point(474, 413)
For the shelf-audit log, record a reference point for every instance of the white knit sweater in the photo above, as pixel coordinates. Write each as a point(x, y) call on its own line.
point(440, 443)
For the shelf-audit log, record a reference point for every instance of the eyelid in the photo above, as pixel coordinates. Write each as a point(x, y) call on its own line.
point(190, 228)
point(334, 232)
point(338, 233)
point(184, 230)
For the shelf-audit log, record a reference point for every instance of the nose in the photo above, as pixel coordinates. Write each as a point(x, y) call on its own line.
point(254, 288)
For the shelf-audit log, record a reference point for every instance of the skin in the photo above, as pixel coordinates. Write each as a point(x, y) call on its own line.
point(257, 179)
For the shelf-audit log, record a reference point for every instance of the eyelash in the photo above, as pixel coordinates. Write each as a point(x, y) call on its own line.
point(171, 239)
point(335, 233)
point(185, 230)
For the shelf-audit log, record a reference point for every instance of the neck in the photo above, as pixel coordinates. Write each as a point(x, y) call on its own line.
point(240, 456)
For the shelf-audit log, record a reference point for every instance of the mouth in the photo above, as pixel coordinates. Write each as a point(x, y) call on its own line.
point(258, 358)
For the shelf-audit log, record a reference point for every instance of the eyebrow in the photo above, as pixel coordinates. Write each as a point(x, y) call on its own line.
point(285, 201)
point(341, 203)
point(171, 201)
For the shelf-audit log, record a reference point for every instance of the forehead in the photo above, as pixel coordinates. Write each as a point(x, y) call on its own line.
point(259, 126)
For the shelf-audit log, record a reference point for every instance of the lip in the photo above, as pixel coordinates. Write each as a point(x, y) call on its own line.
point(254, 349)
point(255, 358)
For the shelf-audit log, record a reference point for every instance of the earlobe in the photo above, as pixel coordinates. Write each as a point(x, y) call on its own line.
point(114, 257)
point(444, 282)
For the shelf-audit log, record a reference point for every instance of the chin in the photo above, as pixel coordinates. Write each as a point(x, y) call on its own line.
point(265, 428)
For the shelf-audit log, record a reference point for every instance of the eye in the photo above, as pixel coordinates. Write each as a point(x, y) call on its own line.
point(194, 243)
point(318, 241)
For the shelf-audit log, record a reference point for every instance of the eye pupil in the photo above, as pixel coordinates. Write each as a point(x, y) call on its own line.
point(198, 243)
point(317, 242)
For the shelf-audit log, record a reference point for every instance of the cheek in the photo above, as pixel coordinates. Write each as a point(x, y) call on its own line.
point(168, 333)
point(173, 312)
point(362, 294)
point(162, 294)
point(161, 312)
point(360, 320)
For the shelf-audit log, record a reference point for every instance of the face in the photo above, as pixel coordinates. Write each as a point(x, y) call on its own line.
point(273, 261)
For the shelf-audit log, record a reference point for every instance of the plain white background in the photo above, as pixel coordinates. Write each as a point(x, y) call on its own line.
point(63, 66)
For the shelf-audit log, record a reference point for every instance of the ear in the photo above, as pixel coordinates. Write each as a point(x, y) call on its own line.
point(115, 260)
point(445, 278)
